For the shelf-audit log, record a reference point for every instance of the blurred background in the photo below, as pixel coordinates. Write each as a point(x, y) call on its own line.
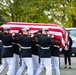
point(62, 12)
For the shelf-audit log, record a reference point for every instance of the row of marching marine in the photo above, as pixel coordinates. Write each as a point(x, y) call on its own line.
point(35, 53)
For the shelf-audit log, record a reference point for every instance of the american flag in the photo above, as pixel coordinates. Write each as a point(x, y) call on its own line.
point(58, 31)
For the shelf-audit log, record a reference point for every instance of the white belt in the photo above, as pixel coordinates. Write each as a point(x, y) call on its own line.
point(25, 47)
point(7, 46)
point(57, 46)
point(37, 45)
point(45, 47)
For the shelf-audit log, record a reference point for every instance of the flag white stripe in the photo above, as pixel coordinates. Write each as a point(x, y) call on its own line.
point(61, 30)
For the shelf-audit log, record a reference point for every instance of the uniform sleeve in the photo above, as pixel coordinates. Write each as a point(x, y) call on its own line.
point(31, 41)
point(1, 36)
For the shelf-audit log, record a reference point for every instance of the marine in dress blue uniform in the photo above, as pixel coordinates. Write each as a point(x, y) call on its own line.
point(1, 30)
point(55, 56)
point(7, 40)
point(16, 53)
point(45, 53)
point(26, 51)
point(35, 55)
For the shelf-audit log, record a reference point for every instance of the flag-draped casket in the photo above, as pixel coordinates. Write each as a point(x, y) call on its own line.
point(58, 31)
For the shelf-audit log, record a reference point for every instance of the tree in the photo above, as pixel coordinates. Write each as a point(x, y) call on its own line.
point(2, 20)
point(63, 12)
point(40, 11)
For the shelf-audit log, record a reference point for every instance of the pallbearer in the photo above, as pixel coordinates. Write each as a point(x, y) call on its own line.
point(1, 31)
point(55, 55)
point(35, 55)
point(7, 40)
point(45, 53)
point(16, 53)
point(26, 52)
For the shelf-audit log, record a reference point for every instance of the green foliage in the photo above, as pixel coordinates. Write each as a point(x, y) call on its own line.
point(2, 20)
point(61, 12)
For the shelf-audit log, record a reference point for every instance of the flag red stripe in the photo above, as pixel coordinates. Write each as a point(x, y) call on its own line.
point(38, 26)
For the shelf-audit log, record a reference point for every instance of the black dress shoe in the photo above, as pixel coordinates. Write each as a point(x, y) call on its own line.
point(65, 67)
point(69, 67)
